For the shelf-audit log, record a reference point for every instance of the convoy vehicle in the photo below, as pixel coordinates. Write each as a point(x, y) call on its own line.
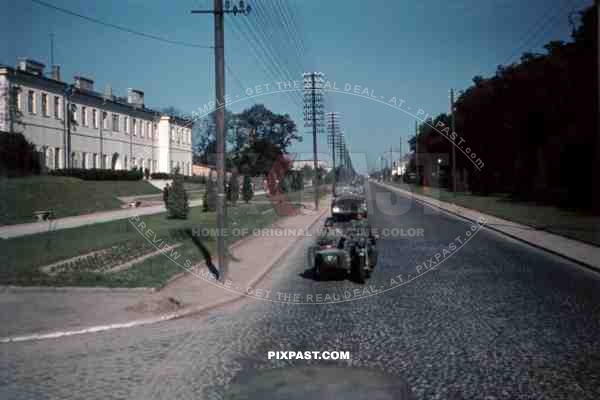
point(345, 246)
point(349, 206)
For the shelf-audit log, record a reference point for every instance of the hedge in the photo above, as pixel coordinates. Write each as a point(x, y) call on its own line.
point(99, 174)
point(186, 178)
point(160, 175)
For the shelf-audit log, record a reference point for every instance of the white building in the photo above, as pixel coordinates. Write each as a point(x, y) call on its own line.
point(299, 164)
point(107, 131)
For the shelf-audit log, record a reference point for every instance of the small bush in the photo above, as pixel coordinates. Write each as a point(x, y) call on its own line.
point(209, 201)
point(233, 189)
point(178, 205)
point(247, 192)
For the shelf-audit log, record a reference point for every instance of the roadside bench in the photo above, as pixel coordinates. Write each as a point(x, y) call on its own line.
point(44, 215)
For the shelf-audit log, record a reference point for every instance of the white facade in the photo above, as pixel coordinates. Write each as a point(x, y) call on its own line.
point(299, 164)
point(108, 132)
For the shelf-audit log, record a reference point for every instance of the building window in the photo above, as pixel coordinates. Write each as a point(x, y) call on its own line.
point(57, 160)
point(95, 160)
point(142, 129)
point(31, 102)
point(125, 166)
point(95, 118)
point(17, 94)
point(45, 105)
point(49, 157)
point(105, 161)
point(84, 121)
point(84, 160)
point(134, 126)
point(153, 131)
point(115, 122)
point(56, 107)
point(126, 125)
point(104, 119)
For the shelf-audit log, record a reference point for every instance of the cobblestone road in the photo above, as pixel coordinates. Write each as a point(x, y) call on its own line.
point(496, 320)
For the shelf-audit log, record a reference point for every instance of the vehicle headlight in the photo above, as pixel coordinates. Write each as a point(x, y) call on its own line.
point(336, 210)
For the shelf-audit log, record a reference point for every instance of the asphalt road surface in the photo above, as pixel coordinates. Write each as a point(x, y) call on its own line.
point(495, 320)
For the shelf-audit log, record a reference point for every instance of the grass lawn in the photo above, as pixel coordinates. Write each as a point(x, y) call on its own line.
point(66, 196)
point(572, 224)
point(21, 258)
point(194, 186)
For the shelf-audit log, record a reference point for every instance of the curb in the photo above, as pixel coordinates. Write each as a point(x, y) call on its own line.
point(170, 316)
point(438, 204)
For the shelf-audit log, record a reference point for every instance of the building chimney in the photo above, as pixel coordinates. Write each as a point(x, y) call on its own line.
point(108, 94)
point(56, 72)
point(135, 98)
point(84, 83)
point(31, 66)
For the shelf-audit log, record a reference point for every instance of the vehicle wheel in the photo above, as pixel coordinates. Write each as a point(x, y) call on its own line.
point(373, 259)
point(357, 268)
point(317, 268)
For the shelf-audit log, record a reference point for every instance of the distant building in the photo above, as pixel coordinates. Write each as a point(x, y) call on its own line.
point(299, 164)
point(107, 132)
point(202, 169)
point(401, 166)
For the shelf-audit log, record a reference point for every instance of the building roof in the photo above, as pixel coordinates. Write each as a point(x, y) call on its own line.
point(120, 101)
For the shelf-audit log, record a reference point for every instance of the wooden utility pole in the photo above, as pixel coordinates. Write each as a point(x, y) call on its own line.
point(219, 13)
point(417, 149)
point(596, 161)
point(452, 128)
point(313, 106)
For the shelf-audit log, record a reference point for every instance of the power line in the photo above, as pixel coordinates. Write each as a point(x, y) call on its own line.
point(120, 28)
point(272, 61)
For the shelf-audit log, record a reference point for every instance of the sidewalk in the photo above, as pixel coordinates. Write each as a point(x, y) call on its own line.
point(25, 313)
point(579, 252)
point(11, 231)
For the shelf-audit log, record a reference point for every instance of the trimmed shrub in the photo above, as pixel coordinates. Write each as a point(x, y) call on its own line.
point(209, 201)
point(178, 205)
point(247, 192)
point(233, 189)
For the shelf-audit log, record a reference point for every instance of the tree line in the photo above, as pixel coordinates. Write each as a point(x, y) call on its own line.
point(533, 125)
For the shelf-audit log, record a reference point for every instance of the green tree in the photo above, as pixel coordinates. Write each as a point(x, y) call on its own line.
point(178, 205)
point(247, 192)
point(18, 156)
point(279, 129)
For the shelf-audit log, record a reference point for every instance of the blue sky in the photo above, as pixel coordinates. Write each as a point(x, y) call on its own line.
point(411, 50)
